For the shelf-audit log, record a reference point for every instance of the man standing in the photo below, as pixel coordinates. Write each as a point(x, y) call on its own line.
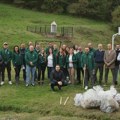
point(7, 57)
point(88, 67)
point(99, 62)
point(31, 58)
point(91, 49)
point(80, 71)
point(109, 60)
point(57, 78)
point(117, 63)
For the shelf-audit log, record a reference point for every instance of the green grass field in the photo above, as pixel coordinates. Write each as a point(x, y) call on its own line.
point(39, 102)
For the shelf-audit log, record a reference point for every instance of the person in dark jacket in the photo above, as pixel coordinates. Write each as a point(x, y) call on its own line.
point(117, 64)
point(79, 66)
point(7, 57)
point(99, 63)
point(17, 63)
point(22, 53)
point(41, 66)
point(57, 78)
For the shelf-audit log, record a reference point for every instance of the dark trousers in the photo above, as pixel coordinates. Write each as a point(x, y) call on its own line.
point(50, 69)
point(100, 67)
point(88, 75)
point(79, 73)
point(8, 66)
point(41, 71)
point(55, 83)
point(24, 72)
point(17, 72)
point(1, 71)
point(113, 75)
point(116, 73)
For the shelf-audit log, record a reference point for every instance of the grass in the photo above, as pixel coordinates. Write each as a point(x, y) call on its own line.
point(39, 102)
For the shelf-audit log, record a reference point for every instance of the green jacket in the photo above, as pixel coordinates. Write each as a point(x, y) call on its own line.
point(78, 57)
point(17, 59)
point(6, 55)
point(73, 59)
point(55, 52)
point(61, 60)
point(92, 51)
point(41, 60)
point(88, 61)
point(31, 57)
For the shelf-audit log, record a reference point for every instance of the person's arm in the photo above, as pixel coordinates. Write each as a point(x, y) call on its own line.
point(13, 59)
point(113, 60)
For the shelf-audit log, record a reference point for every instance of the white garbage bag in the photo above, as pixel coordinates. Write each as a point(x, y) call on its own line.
point(117, 98)
point(90, 99)
point(109, 105)
point(109, 93)
point(78, 99)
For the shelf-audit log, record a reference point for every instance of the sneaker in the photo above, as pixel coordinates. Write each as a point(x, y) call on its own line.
point(2, 83)
point(10, 83)
point(86, 87)
point(26, 85)
point(33, 84)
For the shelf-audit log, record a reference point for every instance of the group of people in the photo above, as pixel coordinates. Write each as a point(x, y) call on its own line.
point(65, 65)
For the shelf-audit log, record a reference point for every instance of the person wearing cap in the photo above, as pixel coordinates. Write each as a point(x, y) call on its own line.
point(7, 57)
point(31, 58)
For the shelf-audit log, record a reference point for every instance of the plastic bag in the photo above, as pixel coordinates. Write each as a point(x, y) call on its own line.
point(109, 105)
point(90, 99)
point(78, 99)
point(117, 98)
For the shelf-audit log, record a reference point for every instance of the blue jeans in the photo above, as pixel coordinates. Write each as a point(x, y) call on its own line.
point(30, 70)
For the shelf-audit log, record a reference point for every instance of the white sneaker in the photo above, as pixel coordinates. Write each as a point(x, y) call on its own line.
point(10, 83)
point(86, 87)
point(2, 83)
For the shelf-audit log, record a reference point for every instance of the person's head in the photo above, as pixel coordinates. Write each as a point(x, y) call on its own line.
point(117, 47)
point(61, 50)
point(50, 51)
point(57, 68)
point(22, 46)
point(37, 46)
point(80, 49)
point(63, 46)
point(109, 46)
point(16, 49)
point(100, 46)
point(54, 46)
point(90, 45)
point(71, 51)
point(50, 44)
point(31, 48)
point(42, 50)
point(87, 50)
point(30, 43)
point(5, 45)
point(76, 47)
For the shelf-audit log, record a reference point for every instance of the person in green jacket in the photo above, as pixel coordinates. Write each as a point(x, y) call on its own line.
point(88, 65)
point(61, 61)
point(31, 59)
point(17, 63)
point(41, 66)
point(55, 49)
point(79, 66)
point(7, 57)
point(71, 65)
point(91, 49)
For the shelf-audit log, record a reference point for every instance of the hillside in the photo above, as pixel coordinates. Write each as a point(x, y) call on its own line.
point(13, 23)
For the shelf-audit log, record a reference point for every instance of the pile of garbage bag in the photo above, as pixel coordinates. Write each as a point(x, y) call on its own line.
point(107, 101)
